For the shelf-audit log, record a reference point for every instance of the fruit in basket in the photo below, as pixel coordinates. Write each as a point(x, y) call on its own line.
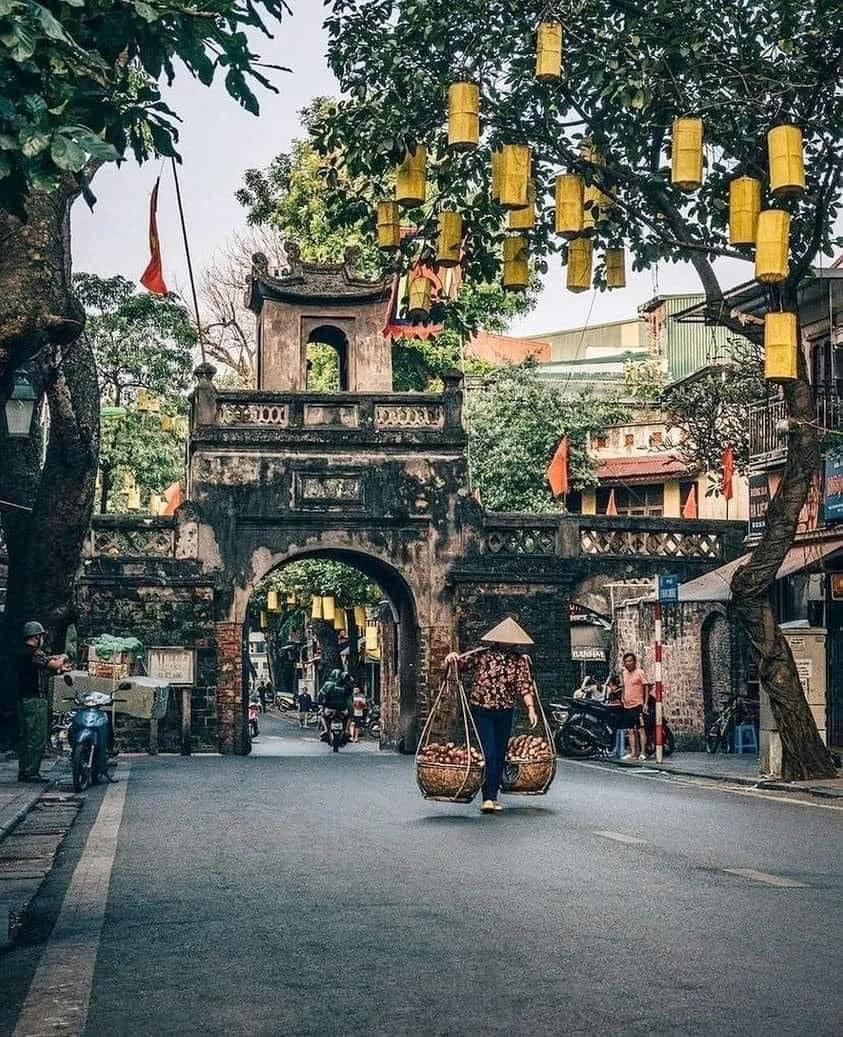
point(528, 749)
point(450, 753)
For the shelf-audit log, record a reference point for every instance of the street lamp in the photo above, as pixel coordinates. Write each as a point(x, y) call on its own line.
point(20, 407)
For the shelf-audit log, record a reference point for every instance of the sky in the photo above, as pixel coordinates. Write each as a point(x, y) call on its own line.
point(219, 141)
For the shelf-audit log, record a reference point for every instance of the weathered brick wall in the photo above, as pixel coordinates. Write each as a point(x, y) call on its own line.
point(687, 682)
point(233, 736)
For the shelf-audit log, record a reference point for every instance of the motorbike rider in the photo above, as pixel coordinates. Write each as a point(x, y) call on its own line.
point(333, 696)
point(33, 669)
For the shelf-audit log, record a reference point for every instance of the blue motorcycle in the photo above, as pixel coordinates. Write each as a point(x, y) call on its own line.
point(90, 737)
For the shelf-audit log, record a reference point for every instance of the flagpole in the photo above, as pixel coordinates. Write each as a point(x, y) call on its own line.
point(189, 263)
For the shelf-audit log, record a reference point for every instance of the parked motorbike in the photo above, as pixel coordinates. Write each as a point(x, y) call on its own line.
point(373, 721)
point(254, 710)
point(587, 727)
point(335, 728)
point(90, 737)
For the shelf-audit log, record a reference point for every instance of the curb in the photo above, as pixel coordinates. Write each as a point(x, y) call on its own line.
point(759, 782)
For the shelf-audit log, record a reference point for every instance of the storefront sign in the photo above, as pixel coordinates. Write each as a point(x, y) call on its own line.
point(833, 500)
point(171, 664)
point(759, 501)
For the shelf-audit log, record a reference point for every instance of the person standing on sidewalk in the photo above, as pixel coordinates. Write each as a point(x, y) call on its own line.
point(635, 689)
point(33, 669)
point(501, 673)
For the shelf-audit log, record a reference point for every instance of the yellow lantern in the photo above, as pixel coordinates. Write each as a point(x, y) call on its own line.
point(264, 620)
point(687, 153)
point(389, 225)
point(744, 207)
point(450, 239)
point(292, 600)
point(524, 219)
point(166, 423)
point(133, 499)
point(316, 607)
point(780, 347)
point(787, 166)
point(580, 252)
point(463, 116)
point(371, 639)
point(360, 616)
point(272, 601)
point(328, 607)
point(515, 176)
point(615, 267)
point(772, 246)
point(421, 299)
point(156, 504)
point(339, 619)
point(549, 51)
point(411, 179)
point(569, 204)
point(516, 268)
point(496, 175)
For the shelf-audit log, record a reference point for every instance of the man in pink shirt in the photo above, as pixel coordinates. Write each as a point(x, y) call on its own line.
point(635, 690)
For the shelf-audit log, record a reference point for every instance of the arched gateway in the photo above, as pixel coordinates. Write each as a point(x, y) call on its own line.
point(365, 475)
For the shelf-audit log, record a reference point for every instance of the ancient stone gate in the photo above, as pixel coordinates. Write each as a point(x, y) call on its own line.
point(365, 475)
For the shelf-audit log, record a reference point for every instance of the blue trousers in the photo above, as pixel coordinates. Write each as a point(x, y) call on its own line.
point(494, 727)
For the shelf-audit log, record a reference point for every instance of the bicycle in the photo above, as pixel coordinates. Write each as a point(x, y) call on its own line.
point(718, 734)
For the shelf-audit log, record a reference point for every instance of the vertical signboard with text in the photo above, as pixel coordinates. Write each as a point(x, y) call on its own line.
point(833, 499)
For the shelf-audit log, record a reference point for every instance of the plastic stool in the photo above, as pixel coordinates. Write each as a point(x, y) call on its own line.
point(746, 740)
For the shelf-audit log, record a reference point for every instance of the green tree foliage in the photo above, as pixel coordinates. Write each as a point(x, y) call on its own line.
point(515, 422)
point(136, 450)
point(79, 79)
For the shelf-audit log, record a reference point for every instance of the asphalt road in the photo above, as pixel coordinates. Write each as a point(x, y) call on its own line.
point(313, 893)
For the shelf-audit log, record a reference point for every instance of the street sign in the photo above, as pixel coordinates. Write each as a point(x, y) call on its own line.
point(759, 501)
point(667, 588)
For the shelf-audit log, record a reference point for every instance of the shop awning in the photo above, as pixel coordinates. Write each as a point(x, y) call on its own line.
point(716, 585)
point(589, 642)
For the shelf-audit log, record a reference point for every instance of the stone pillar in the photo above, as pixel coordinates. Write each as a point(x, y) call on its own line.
point(230, 713)
point(204, 411)
point(453, 380)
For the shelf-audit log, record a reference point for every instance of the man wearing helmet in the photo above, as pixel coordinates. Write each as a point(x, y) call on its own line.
point(33, 669)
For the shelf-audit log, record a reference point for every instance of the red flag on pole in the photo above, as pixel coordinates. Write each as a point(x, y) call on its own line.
point(690, 509)
point(557, 472)
point(728, 464)
point(611, 507)
point(152, 278)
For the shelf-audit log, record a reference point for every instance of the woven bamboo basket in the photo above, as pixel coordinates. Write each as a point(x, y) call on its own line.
point(448, 782)
point(450, 730)
point(530, 763)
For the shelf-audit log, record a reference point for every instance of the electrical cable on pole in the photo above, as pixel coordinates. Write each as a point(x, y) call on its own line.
point(200, 338)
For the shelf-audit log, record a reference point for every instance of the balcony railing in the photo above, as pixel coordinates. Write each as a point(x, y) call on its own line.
point(768, 429)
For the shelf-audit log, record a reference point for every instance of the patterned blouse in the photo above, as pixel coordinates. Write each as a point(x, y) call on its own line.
point(498, 677)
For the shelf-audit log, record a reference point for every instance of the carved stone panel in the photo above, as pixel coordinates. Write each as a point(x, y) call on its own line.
point(254, 414)
point(331, 414)
point(328, 490)
point(409, 416)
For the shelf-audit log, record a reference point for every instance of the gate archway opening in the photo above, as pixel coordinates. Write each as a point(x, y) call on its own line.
point(328, 609)
point(327, 354)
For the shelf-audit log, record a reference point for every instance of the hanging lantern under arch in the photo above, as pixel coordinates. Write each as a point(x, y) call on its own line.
point(686, 165)
point(516, 266)
point(787, 165)
point(615, 267)
point(781, 347)
point(389, 225)
point(339, 620)
point(772, 246)
point(463, 116)
point(328, 607)
point(515, 176)
point(371, 638)
point(570, 194)
point(524, 219)
point(360, 616)
point(449, 249)
point(420, 299)
point(292, 600)
point(744, 207)
point(580, 255)
point(549, 51)
point(411, 178)
point(316, 607)
point(272, 601)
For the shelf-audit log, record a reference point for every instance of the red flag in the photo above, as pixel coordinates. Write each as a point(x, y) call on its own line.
point(174, 498)
point(690, 508)
point(557, 472)
point(611, 507)
point(152, 278)
point(727, 462)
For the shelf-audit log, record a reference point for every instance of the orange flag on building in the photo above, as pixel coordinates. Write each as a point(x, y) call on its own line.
point(728, 464)
point(174, 498)
point(153, 277)
point(557, 472)
point(690, 508)
point(611, 507)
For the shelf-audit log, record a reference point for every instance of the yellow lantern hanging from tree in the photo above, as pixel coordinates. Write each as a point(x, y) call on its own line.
point(420, 299)
point(516, 267)
point(328, 607)
point(264, 620)
point(272, 601)
point(463, 116)
point(569, 204)
point(371, 638)
point(292, 600)
point(389, 225)
point(515, 176)
point(549, 51)
point(744, 207)
point(316, 607)
point(616, 267)
point(524, 219)
point(787, 165)
point(411, 178)
point(687, 153)
point(781, 347)
point(360, 616)
point(580, 254)
point(339, 620)
point(772, 246)
point(450, 239)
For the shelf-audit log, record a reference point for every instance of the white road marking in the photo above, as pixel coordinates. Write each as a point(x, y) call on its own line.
point(60, 993)
point(763, 876)
point(619, 837)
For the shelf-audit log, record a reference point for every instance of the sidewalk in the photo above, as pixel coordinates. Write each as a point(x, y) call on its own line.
point(740, 770)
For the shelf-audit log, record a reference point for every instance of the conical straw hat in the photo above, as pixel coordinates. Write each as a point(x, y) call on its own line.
point(508, 632)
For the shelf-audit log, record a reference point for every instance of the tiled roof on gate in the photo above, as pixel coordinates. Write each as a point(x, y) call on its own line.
point(640, 469)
